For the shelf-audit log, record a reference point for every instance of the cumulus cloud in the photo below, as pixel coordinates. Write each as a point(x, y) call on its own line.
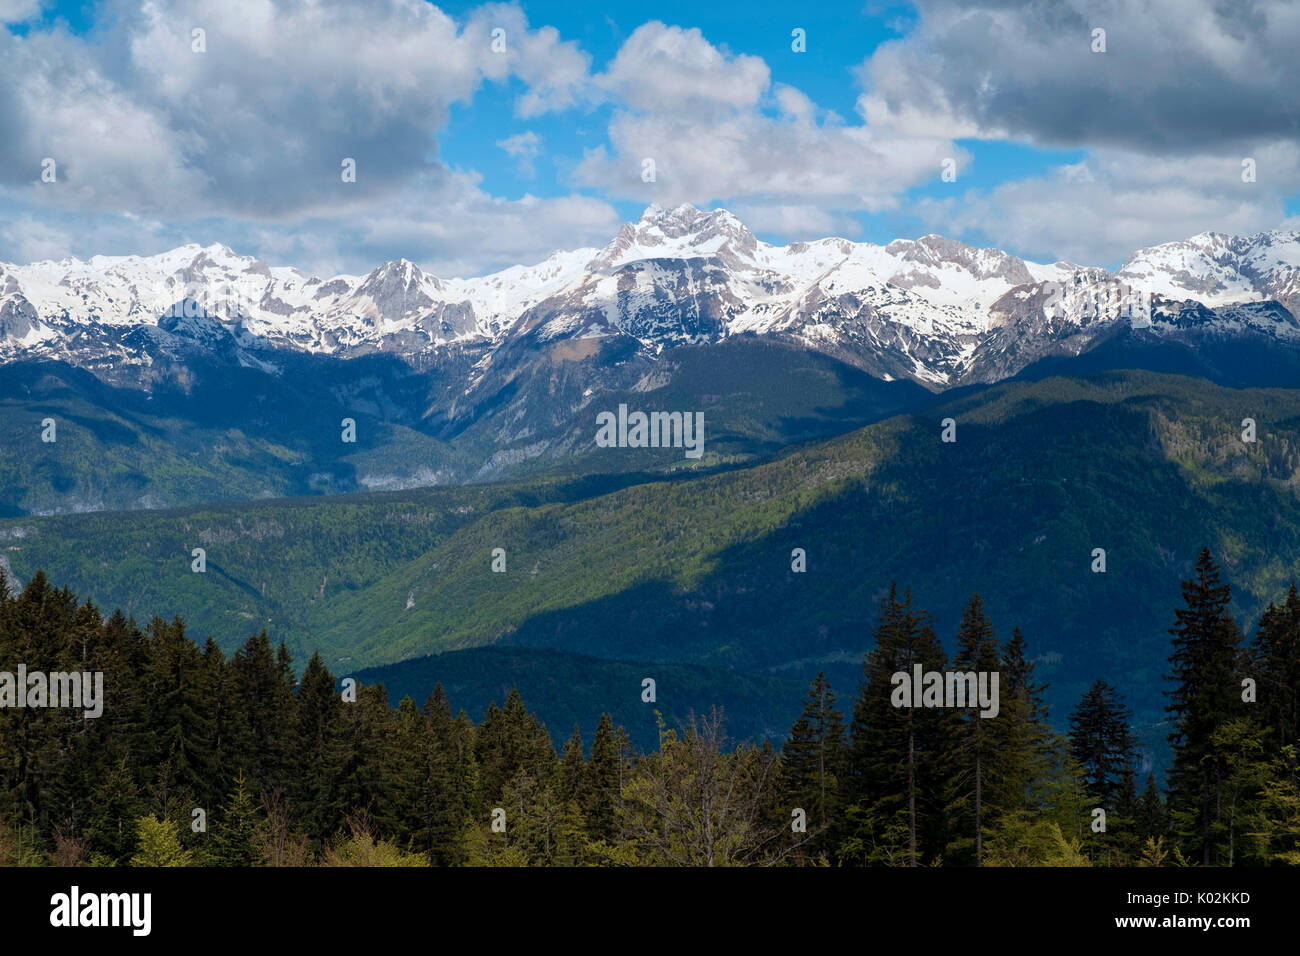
point(243, 143)
point(1098, 211)
point(259, 123)
point(1176, 75)
point(445, 222)
point(524, 147)
point(793, 221)
point(232, 119)
point(1184, 92)
point(16, 11)
point(717, 128)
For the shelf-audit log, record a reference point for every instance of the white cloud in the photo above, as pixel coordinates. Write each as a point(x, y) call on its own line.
point(718, 130)
point(1099, 211)
point(446, 223)
point(156, 144)
point(793, 222)
point(524, 147)
point(16, 11)
point(1176, 75)
point(259, 124)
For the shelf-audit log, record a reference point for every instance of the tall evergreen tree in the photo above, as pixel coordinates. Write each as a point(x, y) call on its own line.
point(1022, 738)
point(234, 832)
point(320, 743)
point(812, 763)
point(896, 768)
point(568, 782)
point(1206, 693)
point(607, 772)
point(1275, 655)
point(1102, 743)
point(974, 741)
point(1150, 819)
point(264, 682)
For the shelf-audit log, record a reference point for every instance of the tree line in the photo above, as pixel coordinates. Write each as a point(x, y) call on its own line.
point(203, 758)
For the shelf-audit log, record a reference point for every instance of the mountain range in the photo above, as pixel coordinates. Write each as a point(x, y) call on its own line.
point(696, 569)
point(201, 375)
point(932, 310)
point(1095, 409)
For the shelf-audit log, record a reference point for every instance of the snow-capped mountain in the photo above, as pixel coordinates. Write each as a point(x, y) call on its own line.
point(932, 310)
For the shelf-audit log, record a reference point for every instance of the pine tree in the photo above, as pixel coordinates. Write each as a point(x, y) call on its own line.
point(1205, 695)
point(894, 779)
point(977, 653)
point(1022, 738)
point(812, 764)
point(1102, 743)
point(234, 834)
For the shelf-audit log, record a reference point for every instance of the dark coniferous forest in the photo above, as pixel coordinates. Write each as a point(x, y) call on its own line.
point(252, 759)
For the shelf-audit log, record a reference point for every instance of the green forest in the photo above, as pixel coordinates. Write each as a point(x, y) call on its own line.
point(696, 569)
point(206, 759)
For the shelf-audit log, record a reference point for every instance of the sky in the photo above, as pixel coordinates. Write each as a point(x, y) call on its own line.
point(487, 135)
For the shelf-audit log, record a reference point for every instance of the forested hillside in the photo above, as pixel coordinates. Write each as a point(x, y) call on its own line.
point(702, 570)
point(200, 757)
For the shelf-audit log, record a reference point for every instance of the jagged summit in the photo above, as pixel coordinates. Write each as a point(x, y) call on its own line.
point(932, 309)
point(682, 232)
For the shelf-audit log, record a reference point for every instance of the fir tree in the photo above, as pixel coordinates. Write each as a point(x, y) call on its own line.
point(977, 653)
point(568, 784)
point(606, 773)
point(812, 763)
point(320, 744)
point(1150, 820)
point(159, 845)
point(897, 755)
point(234, 835)
point(1102, 743)
point(1022, 739)
point(1276, 659)
point(1206, 694)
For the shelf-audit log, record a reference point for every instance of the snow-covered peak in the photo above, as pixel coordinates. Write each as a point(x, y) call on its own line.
point(684, 232)
point(1217, 269)
point(675, 275)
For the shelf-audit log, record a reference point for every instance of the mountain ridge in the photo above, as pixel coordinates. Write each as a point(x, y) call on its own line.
point(926, 309)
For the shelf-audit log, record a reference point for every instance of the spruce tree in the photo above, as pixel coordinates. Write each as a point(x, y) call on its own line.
point(894, 779)
point(975, 739)
point(1102, 743)
point(812, 763)
point(1150, 819)
point(1275, 655)
point(568, 782)
point(234, 833)
point(605, 776)
point(315, 794)
point(1022, 738)
point(1206, 693)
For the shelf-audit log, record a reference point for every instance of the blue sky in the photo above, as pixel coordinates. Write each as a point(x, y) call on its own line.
point(471, 158)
